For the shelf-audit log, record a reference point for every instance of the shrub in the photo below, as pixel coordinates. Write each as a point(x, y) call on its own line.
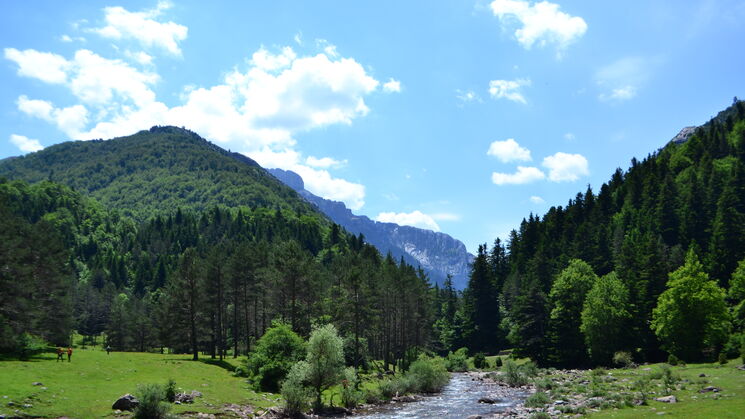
point(479, 360)
point(498, 362)
point(152, 405)
point(623, 359)
point(296, 394)
point(275, 353)
point(350, 395)
point(514, 375)
point(530, 369)
point(540, 415)
point(372, 395)
point(669, 378)
point(28, 345)
point(458, 361)
point(170, 391)
point(538, 399)
point(722, 358)
point(428, 375)
point(395, 387)
point(673, 360)
point(544, 384)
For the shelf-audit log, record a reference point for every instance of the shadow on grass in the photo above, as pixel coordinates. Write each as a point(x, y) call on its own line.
point(222, 364)
point(38, 357)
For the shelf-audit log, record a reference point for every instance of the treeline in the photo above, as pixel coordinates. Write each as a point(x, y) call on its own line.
point(197, 281)
point(630, 239)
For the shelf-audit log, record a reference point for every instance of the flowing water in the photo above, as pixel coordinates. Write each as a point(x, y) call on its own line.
point(458, 400)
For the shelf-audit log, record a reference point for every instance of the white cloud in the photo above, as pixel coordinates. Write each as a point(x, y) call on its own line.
point(140, 57)
point(325, 162)
point(45, 66)
point(569, 136)
point(142, 26)
point(537, 200)
point(413, 219)
point(618, 94)
point(25, 144)
point(540, 23)
point(508, 150)
point(522, 176)
point(467, 96)
point(70, 120)
point(267, 61)
point(621, 79)
point(392, 86)
point(508, 89)
point(564, 167)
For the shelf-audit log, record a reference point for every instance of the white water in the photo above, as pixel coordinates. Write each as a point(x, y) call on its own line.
point(458, 400)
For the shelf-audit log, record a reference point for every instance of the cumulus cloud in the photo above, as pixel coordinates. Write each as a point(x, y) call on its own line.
point(144, 28)
point(45, 66)
point(467, 96)
point(564, 167)
point(537, 200)
point(413, 219)
point(392, 86)
point(70, 120)
point(508, 89)
point(25, 144)
point(522, 176)
point(508, 150)
point(540, 23)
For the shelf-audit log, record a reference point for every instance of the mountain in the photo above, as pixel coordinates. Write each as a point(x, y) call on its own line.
point(437, 253)
point(157, 170)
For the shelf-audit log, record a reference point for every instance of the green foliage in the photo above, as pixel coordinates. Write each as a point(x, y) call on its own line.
point(325, 359)
point(514, 375)
point(540, 415)
point(623, 359)
point(567, 297)
point(29, 345)
point(722, 358)
point(294, 391)
point(605, 318)
point(275, 353)
point(479, 360)
point(152, 402)
point(169, 391)
point(669, 378)
point(538, 399)
point(457, 361)
point(498, 362)
point(428, 375)
point(691, 314)
point(351, 396)
point(673, 360)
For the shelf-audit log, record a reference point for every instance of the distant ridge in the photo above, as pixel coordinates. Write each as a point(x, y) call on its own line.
point(437, 253)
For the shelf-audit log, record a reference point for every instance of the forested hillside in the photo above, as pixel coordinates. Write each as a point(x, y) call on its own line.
point(195, 280)
point(161, 169)
point(640, 265)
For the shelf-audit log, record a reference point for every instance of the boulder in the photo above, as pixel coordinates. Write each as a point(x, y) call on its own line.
point(184, 398)
point(475, 417)
point(126, 402)
point(488, 400)
point(667, 399)
point(36, 383)
point(711, 389)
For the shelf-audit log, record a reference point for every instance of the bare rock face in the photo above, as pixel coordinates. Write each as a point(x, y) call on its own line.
point(683, 135)
point(126, 402)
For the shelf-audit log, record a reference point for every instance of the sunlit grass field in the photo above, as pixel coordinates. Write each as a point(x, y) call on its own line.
point(89, 385)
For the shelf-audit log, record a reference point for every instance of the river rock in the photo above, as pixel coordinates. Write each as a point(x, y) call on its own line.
point(488, 400)
point(667, 399)
point(710, 389)
point(184, 398)
point(126, 402)
point(36, 383)
point(475, 417)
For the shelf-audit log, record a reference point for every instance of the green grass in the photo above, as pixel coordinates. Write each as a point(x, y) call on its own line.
point(87, 386)
point(729, 403)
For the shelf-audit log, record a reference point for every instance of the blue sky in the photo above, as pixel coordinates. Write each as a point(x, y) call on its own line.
point(458, 116)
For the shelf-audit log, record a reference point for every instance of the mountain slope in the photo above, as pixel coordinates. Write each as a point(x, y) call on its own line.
point(437, 253)
point(156, 170)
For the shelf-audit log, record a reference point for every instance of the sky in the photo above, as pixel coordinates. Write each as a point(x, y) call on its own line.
point(458, 116)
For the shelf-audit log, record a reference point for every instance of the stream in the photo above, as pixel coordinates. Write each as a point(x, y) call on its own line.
point(458, 400)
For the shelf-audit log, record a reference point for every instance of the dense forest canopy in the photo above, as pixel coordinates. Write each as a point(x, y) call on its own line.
point(164, 240)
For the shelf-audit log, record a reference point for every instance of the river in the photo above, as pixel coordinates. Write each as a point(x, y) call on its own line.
point(458, 400)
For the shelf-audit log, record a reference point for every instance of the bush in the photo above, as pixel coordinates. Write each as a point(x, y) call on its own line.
point(530, 369)
point(428, 375)
point(669, 378)
point(514, 375)
point(544, 384)
point(28, 345)
point(673, 360)
point(152, 405)
point(538, 399)
point(395, 387)
point(170, 390)
point(623, 359)
point(275, 353)
point(479, 360)
point(498, 362)
point(458, 361)
point(350, 395)
point(722, 358)
point(540, 415)
point(297, 396)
